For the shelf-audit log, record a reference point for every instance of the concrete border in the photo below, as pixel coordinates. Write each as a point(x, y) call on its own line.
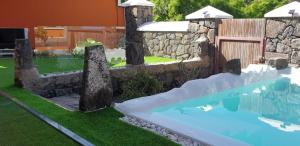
point(50, 122)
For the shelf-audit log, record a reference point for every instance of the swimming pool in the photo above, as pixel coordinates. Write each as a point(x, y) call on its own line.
point(261, 107)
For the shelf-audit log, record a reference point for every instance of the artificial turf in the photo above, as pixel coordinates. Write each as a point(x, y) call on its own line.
point(69, 63)
point(58, 64)
point(101, 128)
point(18, 127)
point(149, 60)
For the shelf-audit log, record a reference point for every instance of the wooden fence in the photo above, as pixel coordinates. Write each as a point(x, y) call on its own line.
point(65, 38)
point(110, 37)
point(239, 38)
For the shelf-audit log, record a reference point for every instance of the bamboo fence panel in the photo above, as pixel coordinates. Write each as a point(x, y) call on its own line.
point(240, 39)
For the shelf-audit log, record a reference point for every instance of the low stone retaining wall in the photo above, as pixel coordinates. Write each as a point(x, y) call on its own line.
point(171, 74)
point(53, 85)
point(283, 37)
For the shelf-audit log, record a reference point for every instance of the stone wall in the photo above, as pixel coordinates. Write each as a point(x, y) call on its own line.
point(54, 85)
point(172, 75)
point(27, 76)
point(283, 38)
point(182, 45)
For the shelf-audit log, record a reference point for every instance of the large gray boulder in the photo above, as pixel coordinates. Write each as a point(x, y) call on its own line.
point(233, 66)
point(278, 62)
point(295, 58)
point(296, 44)
point(274, 28)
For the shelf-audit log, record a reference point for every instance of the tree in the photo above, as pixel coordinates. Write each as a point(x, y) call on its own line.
point(42, 34)
point(233, 7)
point(161, 10)
point(168, 10)
point(258, 8)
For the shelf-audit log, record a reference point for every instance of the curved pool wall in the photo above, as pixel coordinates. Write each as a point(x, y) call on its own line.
point(141, 107)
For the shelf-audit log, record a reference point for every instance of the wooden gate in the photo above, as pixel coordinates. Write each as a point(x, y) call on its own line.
point(240, 39)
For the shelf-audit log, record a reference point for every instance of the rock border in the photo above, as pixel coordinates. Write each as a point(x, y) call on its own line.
point(164, 132)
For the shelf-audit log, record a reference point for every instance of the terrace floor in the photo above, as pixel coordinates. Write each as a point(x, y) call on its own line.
point(69, 102)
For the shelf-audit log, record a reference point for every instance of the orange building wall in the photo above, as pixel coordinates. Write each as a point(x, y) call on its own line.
point(31, 13)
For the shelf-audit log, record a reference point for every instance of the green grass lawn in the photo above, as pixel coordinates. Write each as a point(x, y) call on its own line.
point(58, 64)
point(101, 128)
point(69, 63)
point(18, 127)
point(149, 60)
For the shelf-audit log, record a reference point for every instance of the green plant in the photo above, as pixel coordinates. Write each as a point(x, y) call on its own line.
point(88, 43)
point(42, 34)
point(121, 42)
point(187, 74)
point(80, 46)
point(114, 61)
point(78, 51)
point(41, 53)
point(170, 10)
point(142, 84)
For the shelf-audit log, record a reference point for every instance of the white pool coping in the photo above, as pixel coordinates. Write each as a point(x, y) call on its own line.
point(170, 26)
point(139, 107)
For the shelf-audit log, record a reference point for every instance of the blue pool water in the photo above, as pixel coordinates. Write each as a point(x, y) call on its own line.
point(266, 113)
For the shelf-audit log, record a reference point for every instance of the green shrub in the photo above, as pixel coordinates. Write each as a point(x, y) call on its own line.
point(42, 53)
point(78, 51)
point(115, 61)
point(42, 34)
point(141, 85)
point(80, 46)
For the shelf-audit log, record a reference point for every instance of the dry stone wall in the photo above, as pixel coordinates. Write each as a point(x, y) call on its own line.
point(172, 75)
point(54, 85)
point(283, 38)
point(182, 45)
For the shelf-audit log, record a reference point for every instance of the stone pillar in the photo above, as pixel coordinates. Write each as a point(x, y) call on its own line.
point(136, 16)
point(97, 88)
point(203, 33)
point(25, 72)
